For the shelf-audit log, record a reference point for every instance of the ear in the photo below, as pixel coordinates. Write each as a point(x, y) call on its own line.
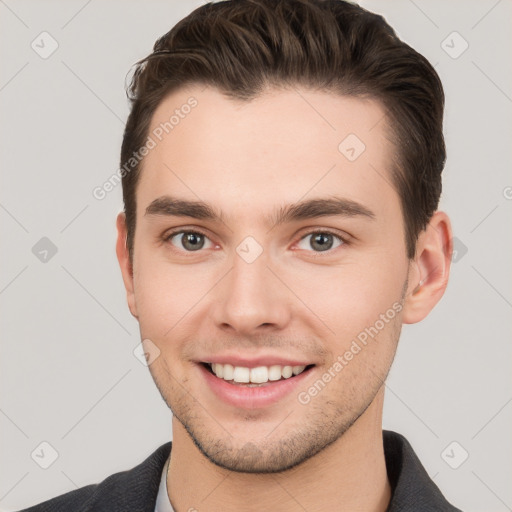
point(123, 257)
point(430, 269)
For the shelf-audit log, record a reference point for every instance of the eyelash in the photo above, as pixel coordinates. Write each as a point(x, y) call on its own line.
point(168, 236)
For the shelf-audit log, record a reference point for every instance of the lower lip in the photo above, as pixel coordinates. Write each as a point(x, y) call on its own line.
point(253, 397)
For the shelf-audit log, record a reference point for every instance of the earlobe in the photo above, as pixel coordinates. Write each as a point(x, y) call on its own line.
point(123, 257)
point(430, 270)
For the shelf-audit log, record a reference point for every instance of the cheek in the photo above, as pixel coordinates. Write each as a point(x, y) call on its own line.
point(352, 297)
point(165, 294)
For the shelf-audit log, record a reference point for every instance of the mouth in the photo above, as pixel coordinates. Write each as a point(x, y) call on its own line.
point(256, 382)
point(259, 376)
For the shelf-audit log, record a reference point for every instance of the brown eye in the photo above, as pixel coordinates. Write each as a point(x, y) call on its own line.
point(189, 240)
point(321, 241)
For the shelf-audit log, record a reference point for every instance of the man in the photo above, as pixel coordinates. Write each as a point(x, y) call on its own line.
point(281, 173)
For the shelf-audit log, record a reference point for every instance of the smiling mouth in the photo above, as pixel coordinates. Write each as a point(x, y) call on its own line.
point(253, 377)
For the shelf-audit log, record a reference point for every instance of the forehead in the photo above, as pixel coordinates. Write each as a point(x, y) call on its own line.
point(277, 147)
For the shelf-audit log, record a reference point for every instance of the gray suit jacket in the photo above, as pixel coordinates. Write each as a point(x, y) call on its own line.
point(136, 490)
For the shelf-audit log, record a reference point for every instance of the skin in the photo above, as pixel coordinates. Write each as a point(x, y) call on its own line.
point(246, 160)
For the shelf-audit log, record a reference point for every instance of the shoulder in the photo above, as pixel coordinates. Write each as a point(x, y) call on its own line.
point(413, 489)
point(135, 489)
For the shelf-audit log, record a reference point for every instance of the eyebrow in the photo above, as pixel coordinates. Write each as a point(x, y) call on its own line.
point(309, 209)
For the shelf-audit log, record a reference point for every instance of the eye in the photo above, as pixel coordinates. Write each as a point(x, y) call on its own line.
point(189, 240)
point(321, 241)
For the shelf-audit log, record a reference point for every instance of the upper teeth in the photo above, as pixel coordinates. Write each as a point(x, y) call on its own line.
point(258, 375)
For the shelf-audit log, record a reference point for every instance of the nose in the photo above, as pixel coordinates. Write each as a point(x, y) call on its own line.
point(251, 299)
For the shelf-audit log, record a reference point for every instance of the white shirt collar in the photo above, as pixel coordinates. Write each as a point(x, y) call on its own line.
point(163, 504)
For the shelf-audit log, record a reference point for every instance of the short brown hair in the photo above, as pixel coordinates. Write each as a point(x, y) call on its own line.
point(241, 47)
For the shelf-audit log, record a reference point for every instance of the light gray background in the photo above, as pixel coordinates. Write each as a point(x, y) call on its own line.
point(68, 373)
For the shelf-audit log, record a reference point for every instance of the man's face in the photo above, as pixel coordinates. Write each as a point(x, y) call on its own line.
point(252, 292)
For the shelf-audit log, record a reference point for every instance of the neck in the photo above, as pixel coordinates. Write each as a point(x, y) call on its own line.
point(349, 475)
